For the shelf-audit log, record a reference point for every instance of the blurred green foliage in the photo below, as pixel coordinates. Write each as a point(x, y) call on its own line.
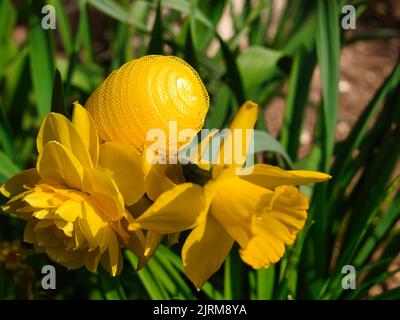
point(351, 218)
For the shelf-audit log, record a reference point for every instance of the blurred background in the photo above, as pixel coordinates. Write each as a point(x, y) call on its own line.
point(330, 101)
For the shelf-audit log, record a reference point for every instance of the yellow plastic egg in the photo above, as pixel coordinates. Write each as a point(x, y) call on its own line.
point(148, 93)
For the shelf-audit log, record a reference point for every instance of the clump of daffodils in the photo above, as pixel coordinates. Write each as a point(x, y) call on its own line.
point(92, 194)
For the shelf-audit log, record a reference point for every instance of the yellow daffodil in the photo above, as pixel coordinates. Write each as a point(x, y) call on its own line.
point(74, 200)
point(148, 93)
point(159, 178)
point(262, 211)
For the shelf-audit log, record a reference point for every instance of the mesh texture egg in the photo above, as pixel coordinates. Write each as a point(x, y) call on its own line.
point(145, 94)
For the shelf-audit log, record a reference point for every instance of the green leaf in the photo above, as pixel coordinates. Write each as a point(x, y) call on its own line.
point(156, 41)
point(114, 10)
point(41, 60)
point(254, 14)
point(296, 101)
point(85, 32)
point(111, 287)
point(332, 286)
point(6, 138)
point(311, 161)
point(367, 284)
point(85, 77)
point(232, 72)
point(208, 288)
point(233, 277)
point(184, 7)
point(379, 229)
point(213, 10)
point(290, 264)
point(218, 113)
point(328, 51)
point(120, 46)
point(57, 101)
point(296, 14)
point(263, 141)
point(63, 25)
point(170, 275)
point(6, 16)
point(259, 28)
point(255, 65)
point(163, 279)
point(7, 166)
point(154, 290)
point(265, 283)
point(18, 79)
point(344, 156)
point(377, 166)
point(190, 55)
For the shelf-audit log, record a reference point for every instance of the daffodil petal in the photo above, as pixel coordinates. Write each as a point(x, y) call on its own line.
point(140, 206)
point(29, 231)
point(173, 238)
point(278, 226)
point(47, 238)
point(92, 224)
point(270, 177)
point(124, 165)
point(17, 205)
point(15, 184)
point(205, 250)
point(235, 204)
point(162, 177)
point(175, 210)
point(58, 163)
point(69, 210)
point(136, 242)
point(104, 193)
point(92, 260)
point(86, 129)
point(113, 252)
point(246, 117)
point(56, 127)
point(112, 268)
point(153, 240)
point(70, 259)
point(229, 157)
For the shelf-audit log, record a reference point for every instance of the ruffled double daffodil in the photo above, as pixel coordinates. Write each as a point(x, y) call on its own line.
point(75, 200)
point(261, 211)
